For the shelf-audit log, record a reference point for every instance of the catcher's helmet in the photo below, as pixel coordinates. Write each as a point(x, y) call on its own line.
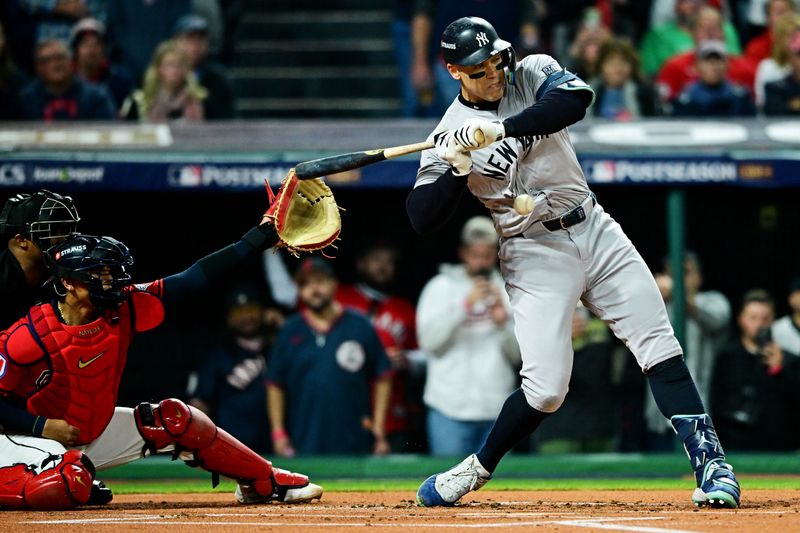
point(43, 215)
point(99, 262)
point(472, 40)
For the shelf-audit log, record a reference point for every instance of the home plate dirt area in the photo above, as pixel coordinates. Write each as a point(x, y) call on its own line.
point(651, 511)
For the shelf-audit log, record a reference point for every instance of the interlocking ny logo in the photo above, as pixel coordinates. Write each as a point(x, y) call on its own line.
point(482, 39)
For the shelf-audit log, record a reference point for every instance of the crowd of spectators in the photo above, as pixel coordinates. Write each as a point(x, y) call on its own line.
point(644, 58)
point(151, 61)
point(307, 360)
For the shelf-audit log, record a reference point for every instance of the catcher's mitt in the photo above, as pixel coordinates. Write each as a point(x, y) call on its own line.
point(305, 214)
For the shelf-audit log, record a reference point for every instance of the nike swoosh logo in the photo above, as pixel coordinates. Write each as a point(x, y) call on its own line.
point(84, 364)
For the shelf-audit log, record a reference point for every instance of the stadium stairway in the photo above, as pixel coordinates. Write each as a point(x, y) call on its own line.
point(311, 58)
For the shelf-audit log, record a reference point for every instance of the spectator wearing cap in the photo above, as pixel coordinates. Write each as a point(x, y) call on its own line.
point(58, 94)
point(192, 36)
point(464, 325)
point(137, 27)
point(692, 21)
point(783, 96)
point(681, 69)
point(323, 362)
point(87, 41)
point(712, 94)
point(230, 383)
point(786, 330)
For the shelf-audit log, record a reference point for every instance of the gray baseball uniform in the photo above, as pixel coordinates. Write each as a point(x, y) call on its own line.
point(547, 272)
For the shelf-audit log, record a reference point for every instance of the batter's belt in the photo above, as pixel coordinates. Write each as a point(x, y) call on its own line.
point(576, 215)
point(572, 217)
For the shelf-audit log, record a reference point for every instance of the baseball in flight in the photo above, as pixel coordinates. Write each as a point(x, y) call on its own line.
point(523, 204)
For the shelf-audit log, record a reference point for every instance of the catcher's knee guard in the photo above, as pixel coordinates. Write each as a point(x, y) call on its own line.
point(64, 485)
point(214, 449)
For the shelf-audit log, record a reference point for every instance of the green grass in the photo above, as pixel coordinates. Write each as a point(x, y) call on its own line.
point(557, 467)
point(516, 472)
point(122, 486)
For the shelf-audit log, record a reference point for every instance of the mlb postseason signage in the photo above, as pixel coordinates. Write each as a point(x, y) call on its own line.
point(241, 156)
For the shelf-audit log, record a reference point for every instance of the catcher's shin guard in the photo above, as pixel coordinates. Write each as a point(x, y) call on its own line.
point(214, 449)
point(64, 483)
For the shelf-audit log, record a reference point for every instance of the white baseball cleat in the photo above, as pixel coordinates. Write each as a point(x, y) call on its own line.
point(247, 494)
point(448, 487)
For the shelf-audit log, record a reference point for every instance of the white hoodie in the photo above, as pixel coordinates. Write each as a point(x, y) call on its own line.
point(472, 363)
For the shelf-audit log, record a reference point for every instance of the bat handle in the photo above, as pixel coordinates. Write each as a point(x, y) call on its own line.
point(479, 136)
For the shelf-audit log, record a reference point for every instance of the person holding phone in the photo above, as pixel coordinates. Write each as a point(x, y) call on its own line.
point(755, 387)
point(465, 327)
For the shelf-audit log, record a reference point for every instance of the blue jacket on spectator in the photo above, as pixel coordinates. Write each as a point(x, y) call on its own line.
point(724, 100)
point(82, 101)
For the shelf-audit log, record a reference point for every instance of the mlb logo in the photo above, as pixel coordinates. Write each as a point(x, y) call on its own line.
point(3, 364)
point(602, 171)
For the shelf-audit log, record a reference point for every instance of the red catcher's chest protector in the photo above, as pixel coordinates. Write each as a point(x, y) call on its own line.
point(87, 362)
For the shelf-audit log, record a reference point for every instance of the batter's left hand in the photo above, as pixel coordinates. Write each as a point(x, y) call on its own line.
point(492, 131)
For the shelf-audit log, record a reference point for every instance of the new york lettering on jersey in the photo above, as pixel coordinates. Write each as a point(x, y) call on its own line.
point(539, 165)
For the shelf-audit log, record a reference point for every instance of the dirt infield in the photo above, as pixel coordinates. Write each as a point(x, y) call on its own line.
point(652, 511)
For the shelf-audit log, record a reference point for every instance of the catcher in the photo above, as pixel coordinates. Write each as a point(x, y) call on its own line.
point(65, 360)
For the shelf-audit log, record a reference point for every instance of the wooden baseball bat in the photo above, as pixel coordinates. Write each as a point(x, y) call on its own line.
point(342, 162)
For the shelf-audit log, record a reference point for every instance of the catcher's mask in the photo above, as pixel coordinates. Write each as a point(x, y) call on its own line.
point(99, 262)
point(43, 216)
point(470, 41)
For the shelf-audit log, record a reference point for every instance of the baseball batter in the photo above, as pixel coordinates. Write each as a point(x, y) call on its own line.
point(504, 137)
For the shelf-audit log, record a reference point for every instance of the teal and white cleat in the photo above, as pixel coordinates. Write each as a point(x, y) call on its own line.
point(718, 487)
point(447, 488)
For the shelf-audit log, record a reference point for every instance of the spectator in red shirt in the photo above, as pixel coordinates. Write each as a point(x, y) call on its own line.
point(394, 319)
point(681, 69)
point(712, 94)
point(761, 47)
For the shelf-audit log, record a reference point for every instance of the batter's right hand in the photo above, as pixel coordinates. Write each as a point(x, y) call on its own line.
point(448, 149)
point(61, 431)
point(491, 131)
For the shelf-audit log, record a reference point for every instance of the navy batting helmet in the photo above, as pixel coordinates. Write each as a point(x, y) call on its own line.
point(472, 40)
point(43, 215)
point(99, 262)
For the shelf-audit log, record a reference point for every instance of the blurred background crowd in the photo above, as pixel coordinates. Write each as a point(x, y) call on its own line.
point(157, 60)
point(272, 358)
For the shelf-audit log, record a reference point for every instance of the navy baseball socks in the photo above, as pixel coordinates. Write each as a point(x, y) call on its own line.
point(675, 392)
point(516, 421)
